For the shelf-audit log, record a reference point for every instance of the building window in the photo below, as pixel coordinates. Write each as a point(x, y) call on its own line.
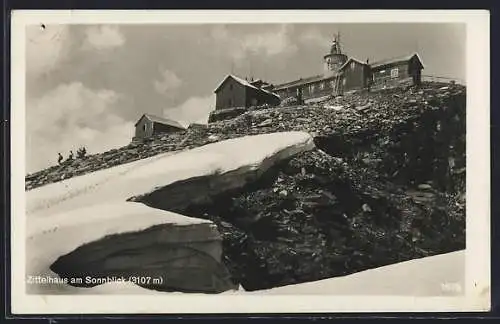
point(311, 88)
point(144, 127)
point(344, 81)
point(322, 85)
point(353, 65)
point(394, 73)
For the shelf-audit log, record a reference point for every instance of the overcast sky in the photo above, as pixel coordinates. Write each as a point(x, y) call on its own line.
point(88, 84)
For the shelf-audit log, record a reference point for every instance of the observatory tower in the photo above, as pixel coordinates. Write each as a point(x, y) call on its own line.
point(335, 59)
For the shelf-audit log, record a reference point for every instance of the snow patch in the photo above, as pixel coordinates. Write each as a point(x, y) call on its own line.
point(136, 178)
point(440, 275)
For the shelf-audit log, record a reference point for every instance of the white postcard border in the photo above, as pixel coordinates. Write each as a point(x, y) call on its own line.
point(477, 290)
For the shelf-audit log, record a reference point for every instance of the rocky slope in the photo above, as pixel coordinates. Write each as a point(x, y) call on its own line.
point(353, 119)
point(385, 183)
point(319, 216)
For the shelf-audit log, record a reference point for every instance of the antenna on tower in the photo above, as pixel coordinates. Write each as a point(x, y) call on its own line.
point(338, 40)
point(251, 68)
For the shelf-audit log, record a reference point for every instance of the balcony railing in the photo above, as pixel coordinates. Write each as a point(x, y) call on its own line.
point(434, 78)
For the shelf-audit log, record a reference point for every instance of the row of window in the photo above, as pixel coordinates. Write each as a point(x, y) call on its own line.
point(321, 86)
point(312, 87)
point(394, 73)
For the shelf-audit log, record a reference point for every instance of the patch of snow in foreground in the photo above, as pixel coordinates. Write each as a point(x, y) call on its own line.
point(65, 215)
point(440, 275)
point(65, 232)
point(143, 176)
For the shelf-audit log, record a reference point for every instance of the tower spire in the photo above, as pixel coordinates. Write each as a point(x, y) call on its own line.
point(335, 58)
point(335, 49)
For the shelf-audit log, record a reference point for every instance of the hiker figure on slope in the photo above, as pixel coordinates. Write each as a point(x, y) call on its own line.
point(81, 152)
point(70, 157)
point(60, 158)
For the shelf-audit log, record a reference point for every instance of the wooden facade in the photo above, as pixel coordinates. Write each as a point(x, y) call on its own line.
point(150, 125)
point(341, 74)
point(236, 92)
point(397, 71)
point(354, 75)
point(312, 87)
point(230, 94)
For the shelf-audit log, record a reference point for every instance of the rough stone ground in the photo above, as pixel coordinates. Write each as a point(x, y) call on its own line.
point(318, 217)
point(386, 184)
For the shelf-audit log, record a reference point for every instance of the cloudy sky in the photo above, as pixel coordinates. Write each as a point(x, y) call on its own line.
point(88, 84)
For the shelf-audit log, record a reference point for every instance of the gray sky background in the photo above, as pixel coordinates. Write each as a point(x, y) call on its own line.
point(88, 84)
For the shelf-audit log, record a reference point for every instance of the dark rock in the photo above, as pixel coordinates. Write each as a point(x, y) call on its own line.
point(320, 231)
point(424, 186)
point(265, 123)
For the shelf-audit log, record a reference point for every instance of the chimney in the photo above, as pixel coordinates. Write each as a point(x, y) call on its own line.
point(367, 61)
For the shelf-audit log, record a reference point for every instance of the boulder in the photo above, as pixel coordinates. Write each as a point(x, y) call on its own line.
point(424, 186)
point(265, 123)
point(213, 138)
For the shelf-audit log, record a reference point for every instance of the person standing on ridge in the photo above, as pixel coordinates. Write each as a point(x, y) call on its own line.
point(81, 152)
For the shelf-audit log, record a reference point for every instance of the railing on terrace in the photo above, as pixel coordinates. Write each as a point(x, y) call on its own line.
point(435, 78)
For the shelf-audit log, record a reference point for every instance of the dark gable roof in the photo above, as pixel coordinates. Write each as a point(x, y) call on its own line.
point(244, 83)
point(299, 82)
point(161, 120)
point(398, 59)
point(352, 59)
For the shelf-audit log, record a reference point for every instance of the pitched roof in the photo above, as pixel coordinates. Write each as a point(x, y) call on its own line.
point(396, 60)
point(352, 59)
point(301, 81)
point(161, 120)
point(244, 83)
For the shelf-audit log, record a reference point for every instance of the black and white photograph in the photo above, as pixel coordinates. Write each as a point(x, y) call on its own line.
point(187, 162)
